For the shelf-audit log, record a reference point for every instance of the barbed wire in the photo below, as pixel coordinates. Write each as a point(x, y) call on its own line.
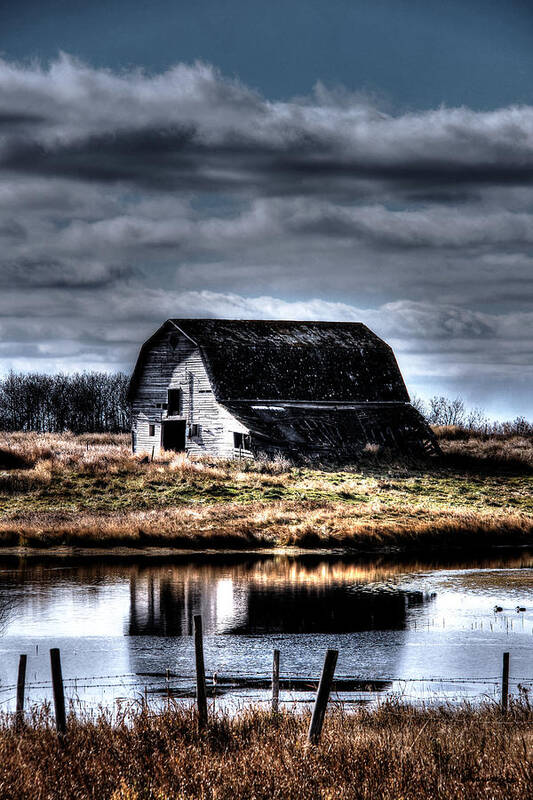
point(7, 700)
point(140, 681)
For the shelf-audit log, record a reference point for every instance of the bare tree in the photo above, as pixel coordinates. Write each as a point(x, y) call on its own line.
point(420, 405)
point(443, 411)
point(84, 402)
point(440, 410)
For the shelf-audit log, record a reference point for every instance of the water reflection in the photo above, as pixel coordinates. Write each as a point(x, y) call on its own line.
point(388, 618)
point(240, 601)
point(305, 594)
point(312, 610)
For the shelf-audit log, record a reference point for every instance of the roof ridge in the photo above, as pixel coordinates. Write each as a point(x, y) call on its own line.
point(269, 321)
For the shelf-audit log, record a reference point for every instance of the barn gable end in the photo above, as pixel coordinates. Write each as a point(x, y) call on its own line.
point(171, 362)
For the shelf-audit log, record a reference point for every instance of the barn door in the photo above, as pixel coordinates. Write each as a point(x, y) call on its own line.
point(173, 436)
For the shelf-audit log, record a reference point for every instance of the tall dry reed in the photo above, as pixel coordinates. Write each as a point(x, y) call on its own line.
point(393, 753)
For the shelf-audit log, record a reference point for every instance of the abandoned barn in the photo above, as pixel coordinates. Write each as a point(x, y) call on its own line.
point(234, 388)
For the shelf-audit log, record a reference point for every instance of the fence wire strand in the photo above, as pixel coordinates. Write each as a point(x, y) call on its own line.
point(140, 681)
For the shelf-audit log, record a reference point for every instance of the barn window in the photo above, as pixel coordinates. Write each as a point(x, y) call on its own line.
point(242, 441)
point(194, 430)
point(151, 430)
point(174, 402)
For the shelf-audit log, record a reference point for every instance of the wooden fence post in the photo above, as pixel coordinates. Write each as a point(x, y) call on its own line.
point(201, 697)
point(505, 682)
point(275, 682)
point(322, 696)
point(59, 695)
point(21, 683)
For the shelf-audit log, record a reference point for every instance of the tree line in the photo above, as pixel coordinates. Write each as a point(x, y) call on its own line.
point(441, 410)
point(86, 402)
point(96, 402)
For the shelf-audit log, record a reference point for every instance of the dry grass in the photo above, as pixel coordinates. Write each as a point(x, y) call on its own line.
point(271, 524)
point(515, 452)
point(89, 490)
point(66, 449)
point(393, 753)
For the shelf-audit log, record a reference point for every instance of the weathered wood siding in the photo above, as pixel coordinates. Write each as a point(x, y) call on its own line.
point(174, 362)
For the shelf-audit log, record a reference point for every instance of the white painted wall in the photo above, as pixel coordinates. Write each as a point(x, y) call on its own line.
point(174, 362)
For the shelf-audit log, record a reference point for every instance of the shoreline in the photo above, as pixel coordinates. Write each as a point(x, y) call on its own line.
point(64, 552)
point(274, 525)
point(61, 491)
point(270, 525)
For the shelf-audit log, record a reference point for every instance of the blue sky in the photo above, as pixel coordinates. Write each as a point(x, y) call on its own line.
point(335, 160)
point(415, 53)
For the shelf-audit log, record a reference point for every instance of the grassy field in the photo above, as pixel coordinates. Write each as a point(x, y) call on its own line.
point(393, 753)
point(89, 491)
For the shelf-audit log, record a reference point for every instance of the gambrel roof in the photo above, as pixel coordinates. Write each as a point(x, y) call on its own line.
point(279, 360)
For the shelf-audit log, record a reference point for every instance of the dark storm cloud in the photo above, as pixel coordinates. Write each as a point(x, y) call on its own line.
point(16, 118)
point(411, 175)
point(189, 127)
point(32, 274)
point(12, 230)
point(126, 198)
point(149, 158)
point(171, 158)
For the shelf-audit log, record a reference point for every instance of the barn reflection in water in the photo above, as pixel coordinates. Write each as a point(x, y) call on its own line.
point(264, 597)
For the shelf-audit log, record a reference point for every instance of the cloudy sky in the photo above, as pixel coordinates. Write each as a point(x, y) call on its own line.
point(300, 159)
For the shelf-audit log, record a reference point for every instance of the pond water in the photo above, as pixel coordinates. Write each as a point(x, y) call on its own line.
point(411, 629)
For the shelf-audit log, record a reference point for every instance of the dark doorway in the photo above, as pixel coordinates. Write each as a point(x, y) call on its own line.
point(173, 437)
